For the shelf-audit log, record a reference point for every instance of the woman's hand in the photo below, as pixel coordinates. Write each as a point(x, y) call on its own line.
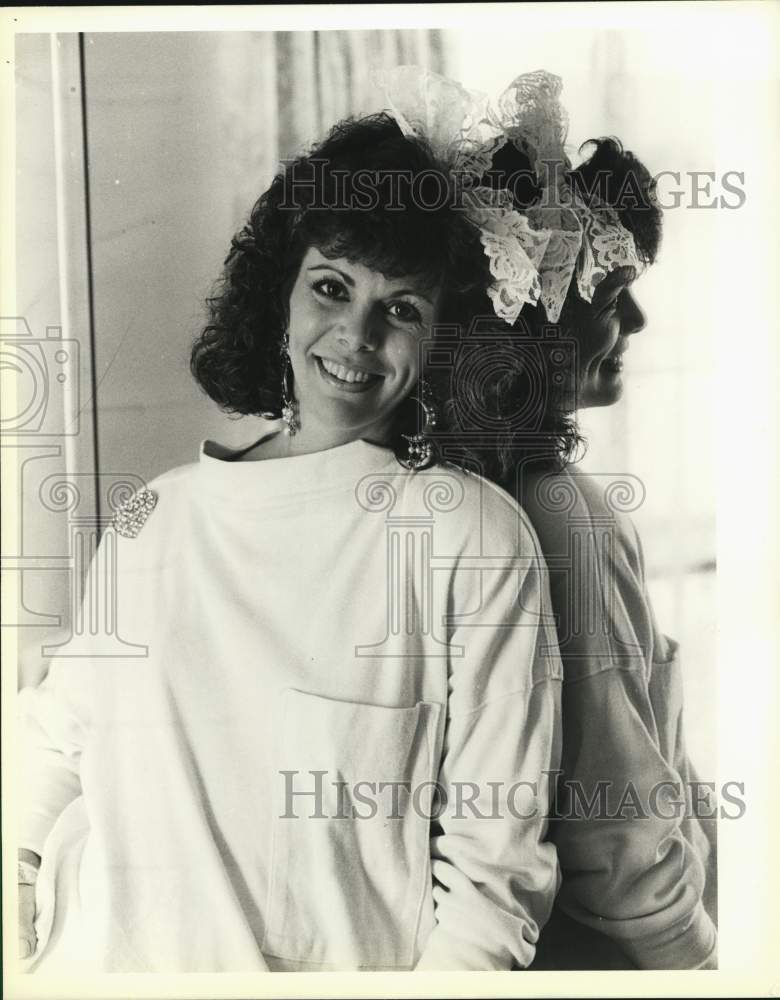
point(27, 939)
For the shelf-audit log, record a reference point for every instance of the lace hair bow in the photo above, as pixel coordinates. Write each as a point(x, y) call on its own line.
point(533, 254)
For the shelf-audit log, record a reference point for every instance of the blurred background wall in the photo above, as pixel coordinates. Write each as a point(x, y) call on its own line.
point(139, 155)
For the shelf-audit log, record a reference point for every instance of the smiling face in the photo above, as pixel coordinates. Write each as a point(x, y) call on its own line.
point(602, 335)
point(354, 347)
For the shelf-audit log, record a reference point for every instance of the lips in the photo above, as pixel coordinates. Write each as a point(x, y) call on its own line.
point(346, 373)
point(346, 376)
point(613, 364)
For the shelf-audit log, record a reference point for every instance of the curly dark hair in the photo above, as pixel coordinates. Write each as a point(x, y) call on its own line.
point(526, 396)
point(340, 199)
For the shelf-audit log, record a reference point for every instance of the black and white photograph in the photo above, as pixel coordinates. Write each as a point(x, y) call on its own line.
point(389, 556)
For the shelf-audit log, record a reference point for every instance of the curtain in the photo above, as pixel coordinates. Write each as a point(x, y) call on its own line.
point(281, 91)
point(324, 76)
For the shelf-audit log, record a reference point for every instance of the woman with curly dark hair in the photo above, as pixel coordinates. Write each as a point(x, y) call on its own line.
point(633, 826)
point(349, 210)
point(333, 633)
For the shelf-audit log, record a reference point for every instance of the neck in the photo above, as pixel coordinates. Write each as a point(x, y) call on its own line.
point(307, 441)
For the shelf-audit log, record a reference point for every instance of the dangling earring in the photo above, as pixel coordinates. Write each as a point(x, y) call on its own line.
point(421, 447)
point(289, 407)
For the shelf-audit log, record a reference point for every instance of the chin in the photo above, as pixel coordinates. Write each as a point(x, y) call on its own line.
point(602, 395)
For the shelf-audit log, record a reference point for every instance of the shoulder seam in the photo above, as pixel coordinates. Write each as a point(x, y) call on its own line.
point(178, 472)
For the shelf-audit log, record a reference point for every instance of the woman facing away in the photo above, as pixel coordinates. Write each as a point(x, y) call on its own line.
point(330, 633)
point(634, 829)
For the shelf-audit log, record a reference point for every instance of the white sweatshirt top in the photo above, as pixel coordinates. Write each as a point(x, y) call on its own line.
point(311, 623)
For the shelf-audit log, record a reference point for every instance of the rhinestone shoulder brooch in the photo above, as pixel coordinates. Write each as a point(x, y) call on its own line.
point(130, 516)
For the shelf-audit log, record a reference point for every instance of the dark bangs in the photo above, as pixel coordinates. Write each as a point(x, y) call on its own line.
point(386, 203)
point(393, 245)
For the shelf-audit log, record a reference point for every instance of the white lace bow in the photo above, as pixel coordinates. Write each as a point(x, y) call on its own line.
point(532, 254)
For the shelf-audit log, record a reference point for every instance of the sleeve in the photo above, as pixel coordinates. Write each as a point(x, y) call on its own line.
point(666, 689)
point(629, 870)
point(53, 723)
point(495, 877)
point(52, 729)
point(55, 717)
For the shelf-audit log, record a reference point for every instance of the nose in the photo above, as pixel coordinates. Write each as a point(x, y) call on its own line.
point(359, 331)
point(633, 318)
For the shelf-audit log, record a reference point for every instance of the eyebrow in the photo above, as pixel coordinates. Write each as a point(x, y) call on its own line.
point(416, 293)
point(620, 276)
point(329, 267)
point(348, 280)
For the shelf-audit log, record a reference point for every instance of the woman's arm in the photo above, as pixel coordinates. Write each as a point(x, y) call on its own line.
point(52, 736)
point(53, 718)
point(494, 876)
point(628, 869)
point(52, 728)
